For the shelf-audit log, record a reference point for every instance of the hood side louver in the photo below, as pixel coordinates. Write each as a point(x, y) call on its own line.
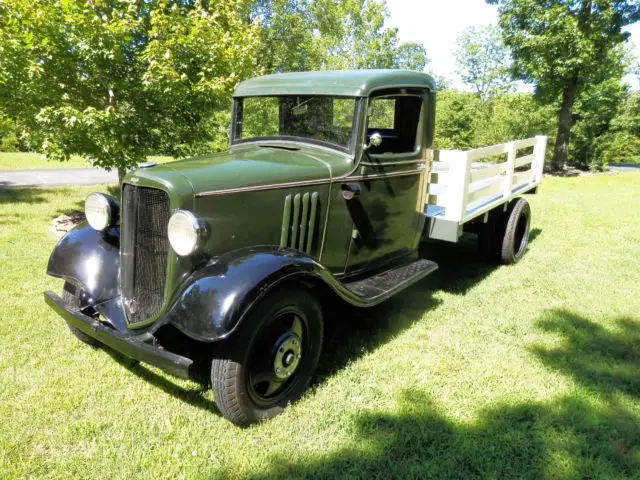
point(299, 221)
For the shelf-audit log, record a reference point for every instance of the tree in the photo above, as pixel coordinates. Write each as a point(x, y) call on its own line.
point(411, 56)
point(562, 46)
point(456, 120)
point(465, 122)
point(512, 115)
point(10, 135)
point(302, 35)
point(287, 39)
point(115, 80)
point(594, 111)
point(484, 62)
point(622, 142)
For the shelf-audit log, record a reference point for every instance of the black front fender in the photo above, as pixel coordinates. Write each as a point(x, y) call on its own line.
point(217, 297)
point(89, 259)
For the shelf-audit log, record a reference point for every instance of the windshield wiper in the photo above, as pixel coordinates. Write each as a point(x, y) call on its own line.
point(281, 147)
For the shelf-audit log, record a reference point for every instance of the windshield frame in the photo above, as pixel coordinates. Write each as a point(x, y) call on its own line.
point(236, 109)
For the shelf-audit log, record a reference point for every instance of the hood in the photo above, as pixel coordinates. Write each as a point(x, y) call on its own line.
point(253, 166)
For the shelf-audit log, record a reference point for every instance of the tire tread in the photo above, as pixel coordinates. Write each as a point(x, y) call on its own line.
point(227, 371)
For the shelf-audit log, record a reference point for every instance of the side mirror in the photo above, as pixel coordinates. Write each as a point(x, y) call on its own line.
point(375, 140)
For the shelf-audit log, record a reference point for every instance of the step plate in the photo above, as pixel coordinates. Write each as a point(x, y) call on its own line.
point(392, 281)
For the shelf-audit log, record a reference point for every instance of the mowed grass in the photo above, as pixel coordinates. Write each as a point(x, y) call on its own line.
point(34, 161)
point(529, 371)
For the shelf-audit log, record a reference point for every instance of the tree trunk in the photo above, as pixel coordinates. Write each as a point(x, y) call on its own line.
point(121, 173)
point(561, 150)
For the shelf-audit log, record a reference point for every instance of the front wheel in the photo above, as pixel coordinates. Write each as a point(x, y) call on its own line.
point(71, 297)
point(271, 359)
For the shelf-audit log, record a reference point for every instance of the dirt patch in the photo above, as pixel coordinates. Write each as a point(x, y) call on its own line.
point(65, 222)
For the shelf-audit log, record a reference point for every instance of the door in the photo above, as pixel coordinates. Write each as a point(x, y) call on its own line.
point(388, 191)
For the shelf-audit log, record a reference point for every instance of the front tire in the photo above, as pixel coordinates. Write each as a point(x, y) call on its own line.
point(271, 359)
point(71, 297)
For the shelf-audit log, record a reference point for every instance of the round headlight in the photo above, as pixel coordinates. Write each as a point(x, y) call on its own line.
point(97, 209)
point(184, 232)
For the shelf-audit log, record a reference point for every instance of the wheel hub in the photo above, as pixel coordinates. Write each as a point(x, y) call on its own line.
point(287, 356)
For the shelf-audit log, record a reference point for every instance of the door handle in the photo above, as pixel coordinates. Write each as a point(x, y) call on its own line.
point(350, 190)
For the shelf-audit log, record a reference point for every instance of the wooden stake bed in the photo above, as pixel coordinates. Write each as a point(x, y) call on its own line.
point(462, 186)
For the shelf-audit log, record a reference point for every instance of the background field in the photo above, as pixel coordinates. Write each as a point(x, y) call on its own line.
point(531, 371)
point(34, 161)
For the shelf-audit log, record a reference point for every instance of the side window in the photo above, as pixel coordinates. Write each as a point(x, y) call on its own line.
point(396, 118)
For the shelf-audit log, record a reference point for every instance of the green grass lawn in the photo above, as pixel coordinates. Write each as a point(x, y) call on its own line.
point(530, 371)
point(34, 161)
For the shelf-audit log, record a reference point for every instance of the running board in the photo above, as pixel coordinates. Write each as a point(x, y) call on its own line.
point(392, 281)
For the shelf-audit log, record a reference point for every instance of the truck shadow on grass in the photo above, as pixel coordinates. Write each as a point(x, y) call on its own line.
point(195, 394)
point(593, 432)
point(350, 332)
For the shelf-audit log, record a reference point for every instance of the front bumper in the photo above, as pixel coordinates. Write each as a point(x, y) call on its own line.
point(128, 345)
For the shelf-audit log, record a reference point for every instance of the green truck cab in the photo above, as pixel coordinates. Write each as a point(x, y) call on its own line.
point(225, 263)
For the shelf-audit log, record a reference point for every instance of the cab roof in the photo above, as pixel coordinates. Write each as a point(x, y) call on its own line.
point(348, 83)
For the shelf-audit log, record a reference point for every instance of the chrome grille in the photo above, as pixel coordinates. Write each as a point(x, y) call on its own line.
point(144, 247)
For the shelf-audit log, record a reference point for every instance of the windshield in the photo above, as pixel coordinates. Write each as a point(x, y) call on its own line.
point(320, 119)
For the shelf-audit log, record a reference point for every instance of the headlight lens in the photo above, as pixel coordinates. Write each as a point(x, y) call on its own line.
point(184, 232)
point(98, 211)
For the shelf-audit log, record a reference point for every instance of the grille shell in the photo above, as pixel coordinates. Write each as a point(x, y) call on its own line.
point(144, 251)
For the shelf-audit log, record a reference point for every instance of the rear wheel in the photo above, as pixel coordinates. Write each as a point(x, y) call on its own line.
point(516, 232)
point(270, 361)
point(71, 297)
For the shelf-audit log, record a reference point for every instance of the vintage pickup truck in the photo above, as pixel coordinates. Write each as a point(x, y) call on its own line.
point(225, 263)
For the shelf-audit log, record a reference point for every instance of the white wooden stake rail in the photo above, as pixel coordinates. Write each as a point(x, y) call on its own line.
point(463, 187)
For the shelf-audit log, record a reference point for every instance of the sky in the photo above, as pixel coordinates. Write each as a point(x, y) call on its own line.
point(438, 24)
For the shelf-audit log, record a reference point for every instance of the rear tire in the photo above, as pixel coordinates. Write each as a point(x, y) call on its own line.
point(269, 362)
point(71, 297)
point(516, 232)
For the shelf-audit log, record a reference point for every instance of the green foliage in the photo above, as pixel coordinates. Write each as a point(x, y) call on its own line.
point(303, 35)
point(484, 61)
point(559, 42)
point(565, 47)
point(116, 80)
point(594, 111)
point(514, 116)
point(622, 142)
point(456, 117)
point(10, 135)
point(411, 56)
point(464, 122)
